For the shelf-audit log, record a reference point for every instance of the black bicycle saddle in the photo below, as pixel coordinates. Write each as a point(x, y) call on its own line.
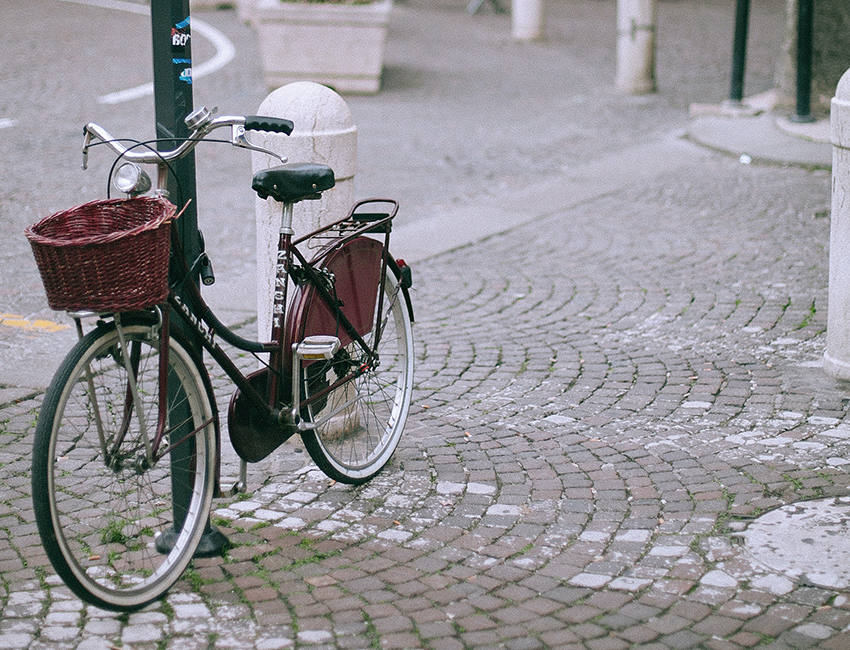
point(293, 182)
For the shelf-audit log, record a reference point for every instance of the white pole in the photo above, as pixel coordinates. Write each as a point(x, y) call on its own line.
point(324, 133)
point(836, 360)
point(636, 46)
point(527, 19)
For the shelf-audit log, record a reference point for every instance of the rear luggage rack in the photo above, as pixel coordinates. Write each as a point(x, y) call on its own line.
point(369, 216)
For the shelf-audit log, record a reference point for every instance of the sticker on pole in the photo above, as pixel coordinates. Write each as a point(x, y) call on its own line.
point(181, 40)
point(181, 35)
point(186, 73)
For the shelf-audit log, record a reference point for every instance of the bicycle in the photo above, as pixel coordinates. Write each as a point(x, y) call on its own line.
point(127, 447)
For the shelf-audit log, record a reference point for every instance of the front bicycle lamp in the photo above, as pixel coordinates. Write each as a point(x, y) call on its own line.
point(131, 179)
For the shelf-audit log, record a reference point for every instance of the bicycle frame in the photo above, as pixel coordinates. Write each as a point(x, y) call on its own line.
point(185, 299)
point(276, 396)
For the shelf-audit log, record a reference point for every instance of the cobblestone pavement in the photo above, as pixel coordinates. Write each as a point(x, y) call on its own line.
point(602, 399)
point(606, 400)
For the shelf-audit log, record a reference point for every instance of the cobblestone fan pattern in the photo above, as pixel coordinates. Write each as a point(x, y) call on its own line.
point(603, 399)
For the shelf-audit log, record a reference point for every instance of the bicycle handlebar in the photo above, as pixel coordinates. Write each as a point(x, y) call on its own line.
point(238, 123)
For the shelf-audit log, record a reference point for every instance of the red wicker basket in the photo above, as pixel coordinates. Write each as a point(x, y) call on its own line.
point(105, 256)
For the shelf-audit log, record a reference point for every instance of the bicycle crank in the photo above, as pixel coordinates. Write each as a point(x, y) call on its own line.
point(253, 434)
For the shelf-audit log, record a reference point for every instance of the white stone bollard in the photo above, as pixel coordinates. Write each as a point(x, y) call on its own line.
point(527, 19)
point(636, 46)
point(324, 133)
point(836, 359)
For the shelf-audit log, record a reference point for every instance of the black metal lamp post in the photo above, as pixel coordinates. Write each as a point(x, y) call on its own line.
point(172, 74)
point(739, 51)
point(805, 29)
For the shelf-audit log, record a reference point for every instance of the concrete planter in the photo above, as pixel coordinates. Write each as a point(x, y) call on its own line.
point(245, 10)
point(338, 45)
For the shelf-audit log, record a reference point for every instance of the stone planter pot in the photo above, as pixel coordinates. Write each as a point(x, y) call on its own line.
point(338, 45)
point(245, 11)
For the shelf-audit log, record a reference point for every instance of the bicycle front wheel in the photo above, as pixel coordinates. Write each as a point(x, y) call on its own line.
point(353, 445)
point(103, 508)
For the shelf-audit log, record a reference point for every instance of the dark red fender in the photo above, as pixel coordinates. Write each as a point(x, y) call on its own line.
point(357, 269)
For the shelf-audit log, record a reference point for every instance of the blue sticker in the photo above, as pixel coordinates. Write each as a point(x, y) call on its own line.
point(183, 23)
point(186, 74)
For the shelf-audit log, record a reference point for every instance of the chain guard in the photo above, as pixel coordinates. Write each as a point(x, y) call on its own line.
point(253, 434)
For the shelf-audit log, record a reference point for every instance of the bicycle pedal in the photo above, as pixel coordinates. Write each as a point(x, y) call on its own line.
point(314, 348)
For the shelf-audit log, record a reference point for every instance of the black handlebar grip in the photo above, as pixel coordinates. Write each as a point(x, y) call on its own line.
point(273, 124)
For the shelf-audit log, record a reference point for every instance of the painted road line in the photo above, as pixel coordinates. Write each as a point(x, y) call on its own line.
point(225, 51)
point(35, 325)
point(6, 123)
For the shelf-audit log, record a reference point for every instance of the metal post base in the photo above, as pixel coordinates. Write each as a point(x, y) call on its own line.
point(802, 119)
point(475, 5)
point(213, 542)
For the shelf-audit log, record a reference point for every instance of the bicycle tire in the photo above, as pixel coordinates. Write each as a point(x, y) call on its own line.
point(98, 510)
point(357, 444)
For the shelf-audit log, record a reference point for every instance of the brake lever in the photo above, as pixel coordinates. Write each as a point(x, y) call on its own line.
point(86, 145)
point(239, 139)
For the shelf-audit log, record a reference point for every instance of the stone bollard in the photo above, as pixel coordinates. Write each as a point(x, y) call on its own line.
point(636, 46)
point(836, 359)
point(527, 20)
point(324, 133)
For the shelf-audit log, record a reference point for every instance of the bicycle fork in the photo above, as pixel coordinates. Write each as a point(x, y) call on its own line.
point(129, 353)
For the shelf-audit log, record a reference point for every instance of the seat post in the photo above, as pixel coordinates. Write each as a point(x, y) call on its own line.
point(286, 220)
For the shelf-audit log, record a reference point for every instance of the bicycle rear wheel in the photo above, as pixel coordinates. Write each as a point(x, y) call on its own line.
point(356, 443)
point(99, 505)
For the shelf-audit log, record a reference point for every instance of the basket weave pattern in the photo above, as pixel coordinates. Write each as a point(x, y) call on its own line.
point(105, 256)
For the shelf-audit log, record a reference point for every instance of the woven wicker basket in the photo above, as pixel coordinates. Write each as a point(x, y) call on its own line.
point(105, 256)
